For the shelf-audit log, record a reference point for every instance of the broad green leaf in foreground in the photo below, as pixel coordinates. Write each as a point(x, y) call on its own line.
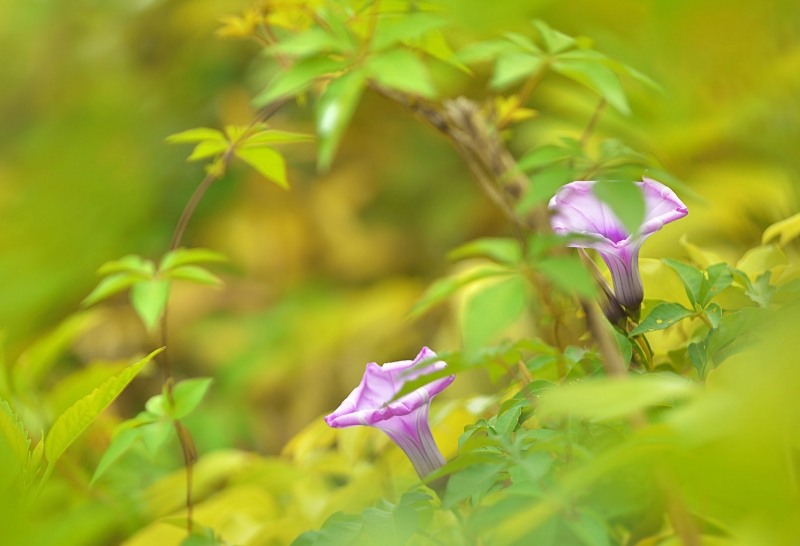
point(70, 424)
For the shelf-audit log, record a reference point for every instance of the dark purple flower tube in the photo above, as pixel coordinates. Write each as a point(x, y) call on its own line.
point(577, 210)
point(404, 420)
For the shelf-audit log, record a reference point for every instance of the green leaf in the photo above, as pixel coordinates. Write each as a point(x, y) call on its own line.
point(80, 383)
point(513, 67)
point(554, 41)
point(507, 422)
point(590, 529)
point(662, 316)
point(569, 274)
point(442, 289)
point(401, 70)
point(714, 314)
point(195, 274)
point(407, 26)
point(788, 230)
point(473, 480)
point(309, 43)
point(188, 394)
point(120, 445)
point(697, 355)
point(185, 256)
point(544, 185)
point(691, 277)
point(544, 156)
point(485, 51)
point(196, 135)
point(70, 424)
point(113, 284)
point(155, 435)
point(501, 250)
point(716, 278)
point(745, 321)
point(390, 528)
point(334, 110)
point(272, 136)
point(149, 298)
point(267, 161)
point(488, 312)
point(596, 77)
point(14, 444)
point(296, 79)
point(34, 459)
point(340, 533)
point(208, 148)
point(626, 200)
point(128, 264)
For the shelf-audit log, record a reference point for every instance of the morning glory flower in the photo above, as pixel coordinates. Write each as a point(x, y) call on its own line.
point(578, 211)
point(404, 420)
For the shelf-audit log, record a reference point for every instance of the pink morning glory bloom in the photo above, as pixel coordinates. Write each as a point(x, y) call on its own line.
point(404, 420)
point(577, 210)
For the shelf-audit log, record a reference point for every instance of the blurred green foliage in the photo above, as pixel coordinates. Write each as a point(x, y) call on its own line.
point(321, 279)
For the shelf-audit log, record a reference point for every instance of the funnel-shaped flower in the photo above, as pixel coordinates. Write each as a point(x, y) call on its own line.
point(404, 420)
point(577, 210)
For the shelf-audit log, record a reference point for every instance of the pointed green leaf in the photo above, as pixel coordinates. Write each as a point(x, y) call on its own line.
point(195, 135)
point(513, 67)
point(598, 78)
point(402, 70)
point(70, 424)
point(662, 316)
point(113, 284)
point(272, 136)
point(120, 445)
point(442, 289)
point(554, 40)
point(334, 110)
point(188, 394)
point(501, 250)
point(128, 264)
point(155, 435)
point(691, 277)
point(485, 51)
point(309, 43)
point(13, 446)
point(569, 274)
point(296, 79)
point(195, 274)
point(716, 278)
point(208, 148)
point(185, 256)
point(149, 298)
point(407, 26)
point(267, 161)
point(392, 528)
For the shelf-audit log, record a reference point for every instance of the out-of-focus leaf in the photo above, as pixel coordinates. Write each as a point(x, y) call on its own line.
point(121, 443)
point(188, 394)
point(662, 316)
point(13, 446)
point(272, 136)
point(80, 383)
point(506, 422)
point(149, 298)
point(185, 256)
point(208, 148)
point(544, 185)
point(568, 273)
point(760, 259)
point(155, 435)
point(267, 161)
point(473, 480)
point(392, 528)
point(625, 199)
point(70, 424)
point(788, 230)
point(442, 289)
point(296, 79)
point(501, 250)
point(513, 67)
point(311, 42)
point(390, 31)
point(554, 41)
point(195, 274)
point(491, 310)
point(334, 110)
point(610, 399)
point(113, 284)
point(128, 264)
point(34, 459)
point(402, 70)
point(714, 314)
point(485, 51)
point(590, 529)
point(691, 277)
point(545, 156)
point(744, 321)
point(195, 135)
point(598, 78)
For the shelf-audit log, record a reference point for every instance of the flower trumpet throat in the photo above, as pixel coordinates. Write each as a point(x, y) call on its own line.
point(578, 211)
point(404, 420)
